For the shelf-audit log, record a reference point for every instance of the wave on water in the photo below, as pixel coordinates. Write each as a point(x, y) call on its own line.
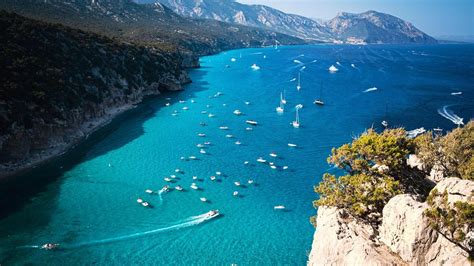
point(450, 115)
point(371, 89)
point(191, 221)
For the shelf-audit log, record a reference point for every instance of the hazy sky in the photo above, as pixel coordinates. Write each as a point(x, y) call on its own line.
point(435, 17)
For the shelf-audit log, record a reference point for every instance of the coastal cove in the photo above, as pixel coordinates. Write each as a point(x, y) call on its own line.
point(86, 200)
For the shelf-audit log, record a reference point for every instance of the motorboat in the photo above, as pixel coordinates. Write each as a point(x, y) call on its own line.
point(236, 193)
point(237, 112)
point(279, 207)
point(174, 114)
point(207, 143)
point(149, 191)
point(203, 199)
point(179, 188)
point(177, 170)
point(192, 101)
point(238, 143)
point(145, 204)
point(192, 157)
point(274, 155)
point(211, 115)
point(229, 136)
point(202, 151)
point(167, 104)
point(212, 178)
point(237, 184)
point(200, 145)
point(181, 101)
point(165, 188)
point(247, 103)
point(167, 179)
point(273, 167)
point(318, 102)
point(201, 135)
point(195, 177)
point(292, 145)
point(182, 158)
point(285, 167)
point(224, 128)
point(250, 182)
point(261, 160)
point(194, 186)
point(139, 200)
point(212, 214)
point(185, 108)
point(249, 129)
point(49, 246)
point(271, 163)
point(173, 176)
point(414, 133)
point(218, 173)
point(203, 112)
point(252, 122)
point(384, 123)
point(246, 162)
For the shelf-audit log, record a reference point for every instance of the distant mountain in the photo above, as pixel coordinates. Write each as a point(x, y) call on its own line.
point(250, 15)
point(152, 24)
point(375, 27)
point(368, 27)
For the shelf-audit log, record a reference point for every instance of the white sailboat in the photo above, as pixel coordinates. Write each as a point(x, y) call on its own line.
point(282, 97)
point(298, 87)
point(280, 109)
point(319, 101)
point(296, 123)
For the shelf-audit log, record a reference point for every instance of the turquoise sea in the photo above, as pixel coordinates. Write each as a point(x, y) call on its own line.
point(86, 200)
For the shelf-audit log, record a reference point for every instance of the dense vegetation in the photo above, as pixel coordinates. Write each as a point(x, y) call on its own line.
point(376, 170)
point(53, 76)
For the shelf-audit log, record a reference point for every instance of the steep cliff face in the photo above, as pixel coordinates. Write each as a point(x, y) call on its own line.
point(59, 84)
point(404, 238)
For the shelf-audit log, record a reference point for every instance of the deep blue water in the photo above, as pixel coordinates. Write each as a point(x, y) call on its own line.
point(91, 210)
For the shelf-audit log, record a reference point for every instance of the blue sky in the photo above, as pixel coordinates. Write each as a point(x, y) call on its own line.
point(435, 17)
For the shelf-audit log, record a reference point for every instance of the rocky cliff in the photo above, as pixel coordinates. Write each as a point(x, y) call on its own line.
point(405, 236)
point(59, 84)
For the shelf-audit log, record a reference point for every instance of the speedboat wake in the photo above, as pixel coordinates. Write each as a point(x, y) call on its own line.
point(450, 115)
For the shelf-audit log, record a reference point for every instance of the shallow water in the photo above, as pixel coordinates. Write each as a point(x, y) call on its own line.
point(91, 210)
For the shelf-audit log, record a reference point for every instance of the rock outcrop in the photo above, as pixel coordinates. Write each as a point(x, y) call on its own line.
point(404, 237)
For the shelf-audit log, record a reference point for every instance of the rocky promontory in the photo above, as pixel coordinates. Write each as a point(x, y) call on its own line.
point(405, 236)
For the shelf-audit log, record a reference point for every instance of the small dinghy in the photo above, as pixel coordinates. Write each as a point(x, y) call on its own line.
point(212, 178)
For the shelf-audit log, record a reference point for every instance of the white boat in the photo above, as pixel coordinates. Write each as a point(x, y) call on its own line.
point(456, 93)
point(212, 178)
point(333, 69)
point(274, 155)
point(192, 158)
point(207, 143)
point(49, 246)
point(174, 114)
point(247, 103)
point(229, 136)
point(233, 59)
point(271, 163)
point(255, 67)
point(201, 135)
point(200, 145)
point(168, 99)
point(237, 112)
point(181, 101)
point(236, 193)
point(279, 207)
point(224, 128)
point(149, 191)
point(139, 200)
point(261, 160)
point(195, 177)
point(208, 106)
point(182, 158)
point(202, 151)
point(237, 184)
point(280, 109)
point(224, 104)
point(167, 179)
point(285, 167)
point(179, 188)
point(319, 101)
point(203, 199)
point(212, 214)
point(177, 170)
point(296, 123)
point(165, 188)
point(238, 143)
point(282, 98)
point(249, 129)
point(252, 122)
point(246, 162)
point(384, 123)
point(218, 173)
point(298, 87)
point(203, 112)
point(250, 182)
point(292, 145)
point(273, 167)
point(167, 104)
point(194, 186)
point(211, 115)
point(414, 133)
point(173, 176)
point(185, 108)
point(145, 204)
